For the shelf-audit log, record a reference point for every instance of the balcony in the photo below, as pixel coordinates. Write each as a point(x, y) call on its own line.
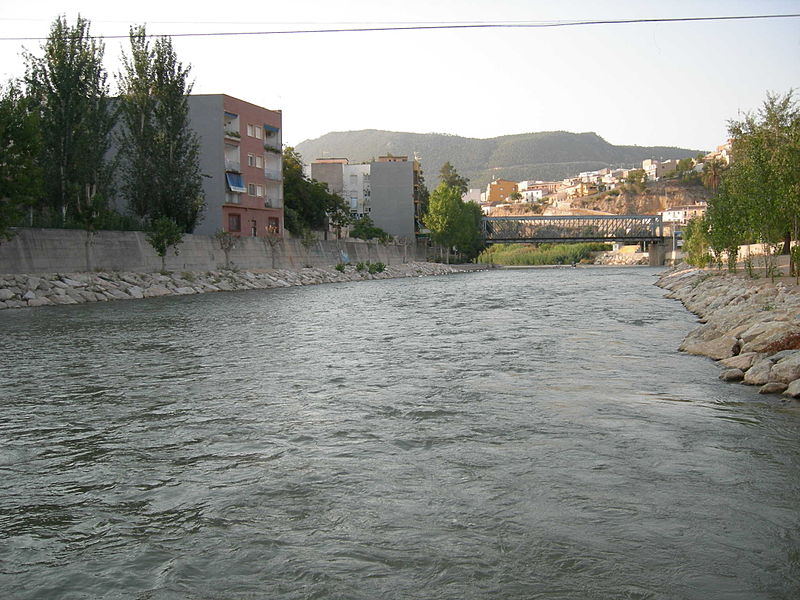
point(272, 174)
point(232, 165)
point(270, 202)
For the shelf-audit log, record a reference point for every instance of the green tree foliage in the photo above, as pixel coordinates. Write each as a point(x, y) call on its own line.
point(761, 189)
point(695, 243)
point(450, 177)
point(452, 222)
point(307, 203)
point(20, 144)
point(727, 225)
point(164, 234)
point(365, 229)
point(636, 176)
point(712, 173)
point(160, 152)
point(68, 84)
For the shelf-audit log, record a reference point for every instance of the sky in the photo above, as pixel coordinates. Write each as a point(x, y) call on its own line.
point(667, 84)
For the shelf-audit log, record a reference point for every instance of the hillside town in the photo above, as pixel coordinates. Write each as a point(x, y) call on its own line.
point(503, 197)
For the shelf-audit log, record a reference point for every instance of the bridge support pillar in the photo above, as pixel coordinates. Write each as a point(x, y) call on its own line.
point(657, 252)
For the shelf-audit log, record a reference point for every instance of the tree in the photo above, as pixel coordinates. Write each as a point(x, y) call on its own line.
point(696, 242)
point(307, 203)
point(450, 177)
point(20, 144)
point(452, 222)
point(763, 180)
point(636, 177)
point(727, 225)
point(712, 173)
point(365, 229)
point(227, 242)
point(68, 85)
point(163, 235)
point(159, 150)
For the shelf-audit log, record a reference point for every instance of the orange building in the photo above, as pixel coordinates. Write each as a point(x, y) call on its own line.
point(500, 190)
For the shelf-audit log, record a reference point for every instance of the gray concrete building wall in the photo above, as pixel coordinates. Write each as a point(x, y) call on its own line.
point(206, 118)
point(329, 173)
point(392, 198)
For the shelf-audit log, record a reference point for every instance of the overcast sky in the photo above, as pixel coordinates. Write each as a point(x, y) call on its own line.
point(673, 84)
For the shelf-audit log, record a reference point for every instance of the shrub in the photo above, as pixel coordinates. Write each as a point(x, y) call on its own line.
point(340, 267)
point(377, 267)
point(543, 254)
point(361, 267)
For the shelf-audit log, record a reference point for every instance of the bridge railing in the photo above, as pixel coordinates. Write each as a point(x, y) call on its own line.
point(531, 229)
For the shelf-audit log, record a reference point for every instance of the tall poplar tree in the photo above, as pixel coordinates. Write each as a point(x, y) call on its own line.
point(159, 152)
point(68, 84)
point(20, 176)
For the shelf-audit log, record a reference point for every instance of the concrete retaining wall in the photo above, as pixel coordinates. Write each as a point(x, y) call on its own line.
point(65, 250)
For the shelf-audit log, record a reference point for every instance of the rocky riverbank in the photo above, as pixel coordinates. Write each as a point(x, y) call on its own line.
point(21, 291)
point(750, 326)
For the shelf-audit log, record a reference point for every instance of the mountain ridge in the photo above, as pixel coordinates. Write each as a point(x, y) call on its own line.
point(545, 155)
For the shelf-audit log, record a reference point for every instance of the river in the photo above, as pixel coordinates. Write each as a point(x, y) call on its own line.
point(513, 434)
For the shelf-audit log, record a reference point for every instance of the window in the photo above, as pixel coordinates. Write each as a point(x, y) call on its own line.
point(251, 160)
point(260, 191)
point(234, 222)
point(250, 130)
point(235, 183)
point(251, 189)
point(259, 133)
point(273, 225)
point(260, 162)
point(253, 229)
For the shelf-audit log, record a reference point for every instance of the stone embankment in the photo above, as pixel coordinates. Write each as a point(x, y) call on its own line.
point(752, 327)
point(20, 291)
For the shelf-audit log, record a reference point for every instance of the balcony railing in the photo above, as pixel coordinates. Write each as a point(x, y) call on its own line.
point(272, 202)
point(272, 174)
point(232, 165)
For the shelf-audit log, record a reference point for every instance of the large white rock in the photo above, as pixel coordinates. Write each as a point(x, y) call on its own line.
point(741, 361)
point(717, 349)
point(758, 374)
point(776, 335)
point(793, 391)
point(787, 369)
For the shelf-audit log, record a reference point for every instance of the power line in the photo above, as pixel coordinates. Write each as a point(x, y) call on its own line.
point(436, 26)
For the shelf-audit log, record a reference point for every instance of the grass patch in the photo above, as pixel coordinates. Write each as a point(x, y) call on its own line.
point(542, 254)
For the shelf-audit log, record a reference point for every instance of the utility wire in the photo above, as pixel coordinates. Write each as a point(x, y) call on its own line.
point(477, 25)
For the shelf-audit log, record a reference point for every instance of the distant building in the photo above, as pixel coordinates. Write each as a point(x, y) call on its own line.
point(241, 160)
point(722, 153)
point(500, 190)
point(385, 190)
point(681, 215)
point(472, 195)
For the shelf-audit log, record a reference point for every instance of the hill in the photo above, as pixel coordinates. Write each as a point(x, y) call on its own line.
point(548, 155)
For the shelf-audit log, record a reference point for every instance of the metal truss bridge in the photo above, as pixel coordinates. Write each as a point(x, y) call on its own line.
point(538, 229)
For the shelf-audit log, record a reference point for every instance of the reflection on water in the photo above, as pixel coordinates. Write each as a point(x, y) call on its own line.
point(513, 434)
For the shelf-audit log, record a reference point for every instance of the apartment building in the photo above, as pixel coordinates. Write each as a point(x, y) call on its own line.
point(385, 190)
point(241, 160)
point(500, 190)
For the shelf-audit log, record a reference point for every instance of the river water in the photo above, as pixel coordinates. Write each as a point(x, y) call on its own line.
point(508, 434)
